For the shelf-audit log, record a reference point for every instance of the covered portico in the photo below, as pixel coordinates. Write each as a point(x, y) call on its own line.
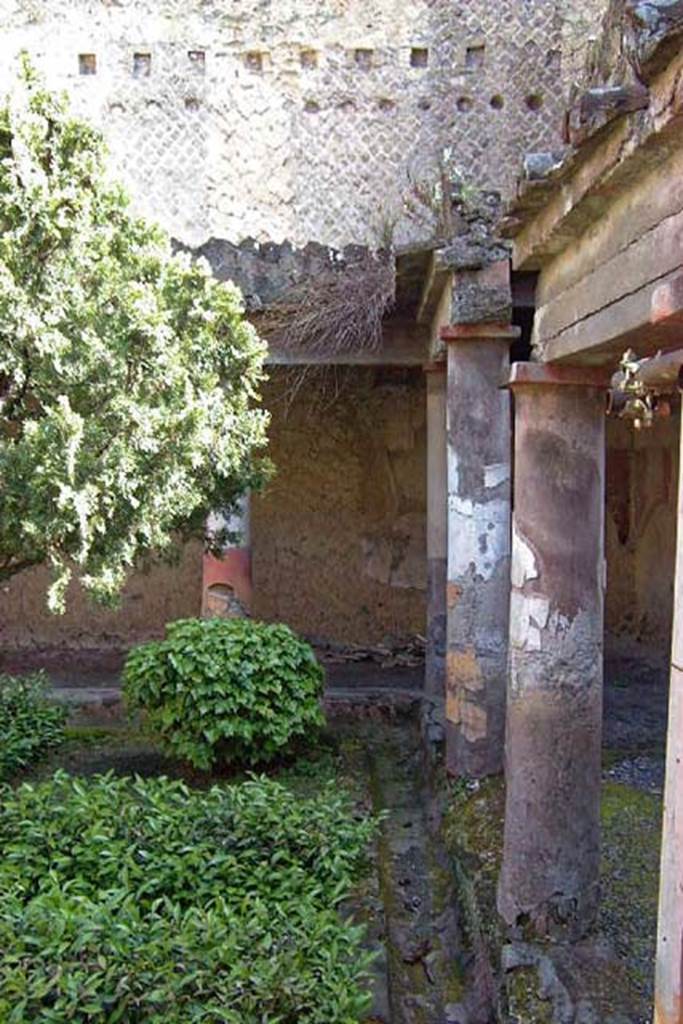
point(601, 224)
point(515, 561)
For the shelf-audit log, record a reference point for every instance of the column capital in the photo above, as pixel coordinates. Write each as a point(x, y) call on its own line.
point(558, 375)
point(486, 331)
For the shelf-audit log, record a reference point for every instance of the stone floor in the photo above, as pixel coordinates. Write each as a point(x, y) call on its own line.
point(636, 696)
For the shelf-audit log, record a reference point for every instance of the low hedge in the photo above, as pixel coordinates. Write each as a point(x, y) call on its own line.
point(30, 724)
point(148, 902)
point(226, 689)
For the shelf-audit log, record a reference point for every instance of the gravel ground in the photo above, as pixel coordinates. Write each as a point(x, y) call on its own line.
point(635, 703)
point(644, 772)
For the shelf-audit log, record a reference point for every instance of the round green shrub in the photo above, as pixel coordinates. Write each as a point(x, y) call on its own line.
point(226, 689)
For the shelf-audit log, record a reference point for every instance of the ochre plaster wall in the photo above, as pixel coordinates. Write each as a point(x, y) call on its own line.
point(642, 475)
point(149, 601)
point(338, 537)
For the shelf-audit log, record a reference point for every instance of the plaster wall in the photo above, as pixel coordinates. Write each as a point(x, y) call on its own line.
point(302, 120)
point(338, 537)
point(642, 476)
point(149, 601)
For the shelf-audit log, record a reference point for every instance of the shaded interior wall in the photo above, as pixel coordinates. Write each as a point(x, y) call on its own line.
point(642, 478)
point(149, 601)
point(338, 537)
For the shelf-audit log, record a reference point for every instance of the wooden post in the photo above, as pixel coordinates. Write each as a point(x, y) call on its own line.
point(669, 969)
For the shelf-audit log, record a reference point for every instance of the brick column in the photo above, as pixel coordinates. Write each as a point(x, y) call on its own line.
point(549, 877)
point(437, 526)
point(479, 443)
point(226, 583)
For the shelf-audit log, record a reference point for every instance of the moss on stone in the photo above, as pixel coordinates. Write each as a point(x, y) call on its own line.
point(525, 1006)
point(473, 829)
point(631, 823)
point(102, 736)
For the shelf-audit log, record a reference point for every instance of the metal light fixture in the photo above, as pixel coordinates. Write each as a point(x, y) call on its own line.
point(640, 387)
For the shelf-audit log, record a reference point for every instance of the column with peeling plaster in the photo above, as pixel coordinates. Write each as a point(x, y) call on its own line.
point(549, 878)
point(227, 582)
point(479, 443)
point(437, 527)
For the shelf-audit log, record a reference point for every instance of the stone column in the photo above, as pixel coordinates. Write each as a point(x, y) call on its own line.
point(226, 583)
point(437, 526)
point(549, 878)
point(479, 443)
point(669, 970)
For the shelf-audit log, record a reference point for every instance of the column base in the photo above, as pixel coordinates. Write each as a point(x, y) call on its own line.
point(226, 585)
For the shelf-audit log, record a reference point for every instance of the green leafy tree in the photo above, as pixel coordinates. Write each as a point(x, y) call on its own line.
point(128, 376)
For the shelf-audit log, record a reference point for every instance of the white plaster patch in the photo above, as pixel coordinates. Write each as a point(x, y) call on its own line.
point(478, 532)
point(524, 565)
point(453, 470)
point(516, 681)
point(460, 506)
point(468, 524)
point(495, 474)
point(529, 615)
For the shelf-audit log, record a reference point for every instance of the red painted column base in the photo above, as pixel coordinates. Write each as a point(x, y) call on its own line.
point(227, 584)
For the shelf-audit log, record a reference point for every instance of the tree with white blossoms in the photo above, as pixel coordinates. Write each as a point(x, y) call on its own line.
point(128, 376)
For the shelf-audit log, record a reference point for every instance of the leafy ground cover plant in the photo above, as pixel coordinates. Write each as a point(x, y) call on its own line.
point(226, 689)
point(29, 723)
point(146, 902)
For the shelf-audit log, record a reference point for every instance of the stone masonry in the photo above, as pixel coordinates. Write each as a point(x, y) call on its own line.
point(300, 120)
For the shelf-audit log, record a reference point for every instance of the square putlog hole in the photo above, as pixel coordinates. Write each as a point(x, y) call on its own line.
point(197, 59)
point(142, 65)
point(475, 56)
point(364, 58)
point(419, 57)
point(87, 64)
point(254, 61)
point(308, 59)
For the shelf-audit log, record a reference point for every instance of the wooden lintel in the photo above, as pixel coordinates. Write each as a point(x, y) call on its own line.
point(404, 343)
point(648, 320)
point(437, 277)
